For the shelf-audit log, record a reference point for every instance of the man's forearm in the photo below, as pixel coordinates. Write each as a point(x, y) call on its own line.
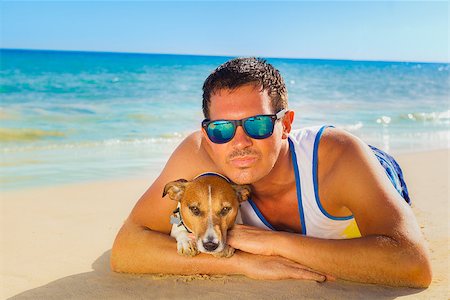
point(142, 251)
point(371, 259)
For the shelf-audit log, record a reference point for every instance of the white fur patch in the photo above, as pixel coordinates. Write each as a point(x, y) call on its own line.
point(210, 231)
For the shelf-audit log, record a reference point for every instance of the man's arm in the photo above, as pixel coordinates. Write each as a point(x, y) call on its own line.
point(144, 251)
point(391, 250)
point(143, 244)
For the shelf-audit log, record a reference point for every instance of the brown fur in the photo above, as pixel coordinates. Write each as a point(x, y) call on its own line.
point(196, 194)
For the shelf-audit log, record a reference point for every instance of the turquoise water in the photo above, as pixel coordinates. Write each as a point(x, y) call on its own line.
point(80, 116)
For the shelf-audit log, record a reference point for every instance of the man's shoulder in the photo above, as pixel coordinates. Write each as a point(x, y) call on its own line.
point(341, 153)
point(193, 154)
point(195, 142)
point(331, 140)
point(192, 142)
point(339, 142)
point(350, 170)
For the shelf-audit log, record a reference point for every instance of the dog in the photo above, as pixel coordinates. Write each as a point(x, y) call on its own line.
point(207, 207)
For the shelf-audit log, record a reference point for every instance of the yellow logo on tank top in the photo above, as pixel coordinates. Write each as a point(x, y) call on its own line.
point(351, 231)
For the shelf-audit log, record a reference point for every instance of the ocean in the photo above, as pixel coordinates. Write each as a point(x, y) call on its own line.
point(69, 117)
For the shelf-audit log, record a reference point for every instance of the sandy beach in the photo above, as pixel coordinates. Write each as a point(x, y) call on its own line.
point(56, 242)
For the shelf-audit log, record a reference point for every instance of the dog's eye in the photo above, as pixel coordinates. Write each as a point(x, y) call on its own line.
point(195, 210)
point(225, 211)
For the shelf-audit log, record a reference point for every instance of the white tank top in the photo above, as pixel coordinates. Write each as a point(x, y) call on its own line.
point(315, 221)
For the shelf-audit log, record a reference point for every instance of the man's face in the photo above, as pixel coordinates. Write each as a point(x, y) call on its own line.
point(244, 160)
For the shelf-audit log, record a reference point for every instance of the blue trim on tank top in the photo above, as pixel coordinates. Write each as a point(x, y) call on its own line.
point(299, 194)
point(260, 215)
point(298, 186)
point(316, 185)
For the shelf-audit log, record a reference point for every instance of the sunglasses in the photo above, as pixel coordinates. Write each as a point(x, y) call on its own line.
point(257, 127)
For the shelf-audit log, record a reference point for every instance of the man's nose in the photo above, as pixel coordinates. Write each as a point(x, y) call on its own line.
point(241, 139)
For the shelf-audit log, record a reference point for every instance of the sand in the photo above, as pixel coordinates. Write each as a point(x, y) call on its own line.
point(56, 242)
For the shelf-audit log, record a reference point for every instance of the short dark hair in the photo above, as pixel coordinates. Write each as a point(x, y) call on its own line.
point(241, 71)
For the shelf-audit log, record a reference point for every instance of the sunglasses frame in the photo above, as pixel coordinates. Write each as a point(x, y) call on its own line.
point(236, 123)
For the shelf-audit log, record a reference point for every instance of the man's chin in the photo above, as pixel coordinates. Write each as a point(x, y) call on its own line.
point(244, 176)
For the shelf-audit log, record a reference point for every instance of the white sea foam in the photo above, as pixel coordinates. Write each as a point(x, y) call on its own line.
point(385, 120)
point(169, 139)
point(443, 116)
point(353, 127)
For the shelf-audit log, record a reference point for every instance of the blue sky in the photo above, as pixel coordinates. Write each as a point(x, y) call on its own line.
point(403, 31)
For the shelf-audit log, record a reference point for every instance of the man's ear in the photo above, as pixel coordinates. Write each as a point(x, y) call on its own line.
point(175, 189)
point(243, 192)
point(287, 121)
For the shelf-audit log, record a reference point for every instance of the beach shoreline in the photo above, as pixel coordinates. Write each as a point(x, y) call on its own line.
point(56, 243)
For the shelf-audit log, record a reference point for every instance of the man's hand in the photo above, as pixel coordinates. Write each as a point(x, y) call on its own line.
point(277, 267)
point(268, 265)
point(250, 239)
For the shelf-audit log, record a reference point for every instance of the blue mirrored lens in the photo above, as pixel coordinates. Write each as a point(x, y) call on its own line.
point(221, 131)
point(259, 127)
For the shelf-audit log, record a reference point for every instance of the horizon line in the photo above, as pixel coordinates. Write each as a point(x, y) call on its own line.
point(226, 56)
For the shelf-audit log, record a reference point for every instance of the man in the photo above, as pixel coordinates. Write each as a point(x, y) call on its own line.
point(321, 205)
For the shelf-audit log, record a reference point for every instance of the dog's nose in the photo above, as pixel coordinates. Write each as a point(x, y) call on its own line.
point(210, 246)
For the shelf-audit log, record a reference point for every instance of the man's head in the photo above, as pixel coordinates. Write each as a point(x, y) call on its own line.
point(239, 89)
point(246, 71)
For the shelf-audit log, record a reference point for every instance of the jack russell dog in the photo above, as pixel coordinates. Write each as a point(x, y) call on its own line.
point(207, 207)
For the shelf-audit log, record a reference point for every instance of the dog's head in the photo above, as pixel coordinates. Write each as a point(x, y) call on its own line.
point(208, 206)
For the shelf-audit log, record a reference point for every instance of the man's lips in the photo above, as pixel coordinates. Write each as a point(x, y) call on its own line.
point(243, 161)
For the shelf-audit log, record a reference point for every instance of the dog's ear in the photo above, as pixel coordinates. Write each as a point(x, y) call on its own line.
point(243, 192)
point(175, 189)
